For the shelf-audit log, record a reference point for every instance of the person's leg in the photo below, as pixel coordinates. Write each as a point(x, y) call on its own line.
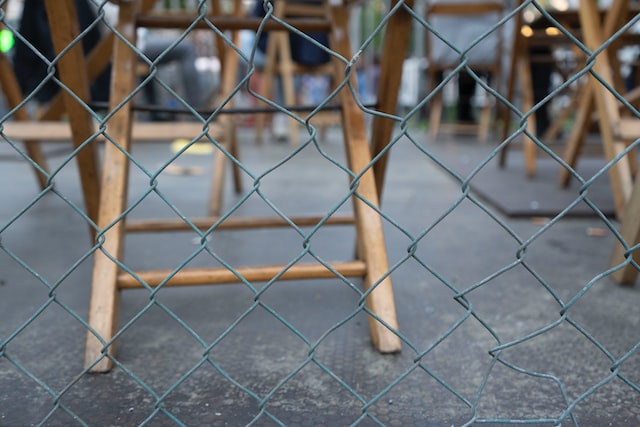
point(541, 69)
point(31, 69)
point(466, 89)
point(156, 49)
point(191, 81)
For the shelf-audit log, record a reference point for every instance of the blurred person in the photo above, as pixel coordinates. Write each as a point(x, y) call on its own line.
point(460, 31)
point(156, 46)
point(303, 52)
point(31, 69)
point(541, 71)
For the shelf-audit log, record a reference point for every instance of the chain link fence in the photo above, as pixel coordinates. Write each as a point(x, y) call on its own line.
point(503, 318)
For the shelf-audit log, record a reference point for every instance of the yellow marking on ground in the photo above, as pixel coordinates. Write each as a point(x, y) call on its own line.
point(197, 148)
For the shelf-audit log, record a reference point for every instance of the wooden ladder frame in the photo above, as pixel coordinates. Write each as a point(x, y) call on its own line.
point(108, 280)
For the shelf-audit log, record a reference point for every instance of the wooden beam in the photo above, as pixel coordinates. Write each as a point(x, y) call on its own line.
point(630, 231)
point(224, 23)
point(147, 225)
point(64, 24)
point(55, 131)
point(606, 104)
point(371, 243)
point(222, 275)
point(394, 50)
point(104, 304)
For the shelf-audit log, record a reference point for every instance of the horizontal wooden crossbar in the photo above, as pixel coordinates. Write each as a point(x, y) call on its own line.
point(465, 8)
point(628, 128)
point(223, 23)
point(222, 275)
point(148, 225)
point(235, 110)
point(463, 128)
point(46, 131)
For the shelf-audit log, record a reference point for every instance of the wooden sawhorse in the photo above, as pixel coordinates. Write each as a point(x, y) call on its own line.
point(108, 280)
point(588, 109)
point(616, 131)
point(541, 34)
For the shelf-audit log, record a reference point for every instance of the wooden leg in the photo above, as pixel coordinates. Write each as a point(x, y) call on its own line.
point(517, 49)
point(578, 133)
point(217, 183)
point(554, 130)
point(220, 161)
point(282, 61)
point(521, 65)
point(265, 87)
point(395, 47)
point(96, 62)
point(484, 123)
point(230, 67)
point(371, 244)
point(530, 148)
point(435, 113)
point(63, 21)
point(231, 130)
point(630, 231)
point(104, 303)
point(620, 173)
point(607, 106)
point(279, 63)
point(232, 137)
point(13, 96)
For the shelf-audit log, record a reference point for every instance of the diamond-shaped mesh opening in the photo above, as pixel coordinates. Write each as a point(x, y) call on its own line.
point(394, 404)
point(505, 383)
point(312, 390)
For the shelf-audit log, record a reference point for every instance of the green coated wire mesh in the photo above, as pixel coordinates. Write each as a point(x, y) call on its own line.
point(507, 315)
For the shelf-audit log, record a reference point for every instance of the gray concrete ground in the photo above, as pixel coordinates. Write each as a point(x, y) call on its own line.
point(485, 338)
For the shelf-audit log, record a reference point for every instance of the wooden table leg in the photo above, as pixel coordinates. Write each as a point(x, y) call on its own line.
point(607, 106)
point(104, 303)
point(13, 97)
point(63, 21)
point(578, 133)
point(218, 176)
point(96, 62)
point(530, 148)
point(230, 68)
point(516, 50)
point(587, 106)
point(630, 231)
point(394, 49)
point(371, 244)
